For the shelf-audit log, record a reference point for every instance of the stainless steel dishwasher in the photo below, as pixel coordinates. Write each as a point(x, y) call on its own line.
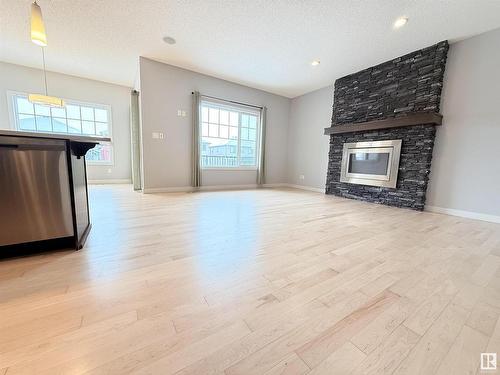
point(35, 198)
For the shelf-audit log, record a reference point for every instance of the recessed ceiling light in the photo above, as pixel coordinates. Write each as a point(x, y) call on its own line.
point(169, 40)
point(315, 62)
point(400, 22)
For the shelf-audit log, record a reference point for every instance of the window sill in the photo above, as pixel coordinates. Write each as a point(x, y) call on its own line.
point(103, 164)
point(229, 169)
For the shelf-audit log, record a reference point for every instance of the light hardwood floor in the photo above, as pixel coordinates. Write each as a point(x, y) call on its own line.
point(271, 281)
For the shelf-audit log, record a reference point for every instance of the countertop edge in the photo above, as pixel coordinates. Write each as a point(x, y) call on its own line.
point(66, 137)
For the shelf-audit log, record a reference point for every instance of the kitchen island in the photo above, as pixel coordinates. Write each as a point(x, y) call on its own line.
point(43, 191)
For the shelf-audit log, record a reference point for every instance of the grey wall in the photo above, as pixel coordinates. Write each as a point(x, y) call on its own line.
point(465, 167)
point(23, 79)
point(165, 89)
point(307, 146)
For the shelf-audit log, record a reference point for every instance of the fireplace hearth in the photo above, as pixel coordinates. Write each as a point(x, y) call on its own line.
point(394, 105)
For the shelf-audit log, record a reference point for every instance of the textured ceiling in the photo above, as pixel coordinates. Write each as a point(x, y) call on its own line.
point(267, 44)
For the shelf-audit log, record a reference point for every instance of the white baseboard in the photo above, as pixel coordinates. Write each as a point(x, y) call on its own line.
point(308, 188)
point(461, 213)
point(293, 186)
point(276, 185)
point(109, 181)
point(176, 189)
point(186, 189)
point(228, 187)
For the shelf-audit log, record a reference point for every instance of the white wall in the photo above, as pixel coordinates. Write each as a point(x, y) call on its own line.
point(167, 163)
point(23, 79)
point(307, 146)
point(465, 166)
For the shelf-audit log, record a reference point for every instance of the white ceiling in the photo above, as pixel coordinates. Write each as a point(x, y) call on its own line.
point(267, 44)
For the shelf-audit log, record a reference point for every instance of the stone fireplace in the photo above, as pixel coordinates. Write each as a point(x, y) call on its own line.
point(383, 127)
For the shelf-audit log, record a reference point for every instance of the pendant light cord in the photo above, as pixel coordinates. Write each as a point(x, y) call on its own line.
point(44, 72)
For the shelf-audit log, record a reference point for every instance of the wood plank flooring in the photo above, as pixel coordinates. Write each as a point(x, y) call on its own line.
point(269, 281)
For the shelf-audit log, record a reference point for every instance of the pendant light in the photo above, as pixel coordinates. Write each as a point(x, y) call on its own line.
point(39, 37)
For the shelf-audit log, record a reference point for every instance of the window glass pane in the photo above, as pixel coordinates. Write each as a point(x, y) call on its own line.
point(213, 115)
point(88, 127)
point(244, 120)
point(87, 113)
point(204, 114)
point(101, 115)
point(252, 122)
point(43, 123)
point(100, 153)
point(69, 119)
point(216, 152)
point(248, 153)
point(24, 106)
point(74, 126)
point(101, 129)
point(59, 125)
point(252, 134)
point(233, 149)
point(26, 122)
point(73, 111)
point(233, 132)
point(244, 133)
point(228, 137)
point(42, 110)
point(233, 119)
point(58, 112)
point(224, 131)
point(213, 130)
point(204, 129)
point(224, 117)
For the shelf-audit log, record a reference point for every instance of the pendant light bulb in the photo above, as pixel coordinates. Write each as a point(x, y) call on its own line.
point(38, 35)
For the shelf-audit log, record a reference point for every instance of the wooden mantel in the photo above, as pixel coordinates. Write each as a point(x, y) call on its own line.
point(393, 122)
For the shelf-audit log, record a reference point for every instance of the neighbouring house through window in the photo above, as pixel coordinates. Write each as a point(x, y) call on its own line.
point(229, 136)
point(75, 118)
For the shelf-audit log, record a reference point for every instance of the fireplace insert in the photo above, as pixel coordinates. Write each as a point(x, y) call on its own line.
point(371, 163)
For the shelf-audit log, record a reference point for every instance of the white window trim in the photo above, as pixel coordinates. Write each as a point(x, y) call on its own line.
point(241, 109)
point(14, 125)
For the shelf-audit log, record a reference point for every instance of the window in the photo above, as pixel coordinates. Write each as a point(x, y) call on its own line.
point(229, 136)
point(74, 118)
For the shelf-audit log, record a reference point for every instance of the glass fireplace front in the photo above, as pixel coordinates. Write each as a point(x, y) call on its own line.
point(371, 163)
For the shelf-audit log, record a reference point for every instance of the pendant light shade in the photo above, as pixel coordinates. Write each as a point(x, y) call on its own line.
point(38, 35)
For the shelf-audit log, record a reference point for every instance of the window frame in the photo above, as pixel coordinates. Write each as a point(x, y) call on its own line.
point(240, 109)
point(14, 123)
